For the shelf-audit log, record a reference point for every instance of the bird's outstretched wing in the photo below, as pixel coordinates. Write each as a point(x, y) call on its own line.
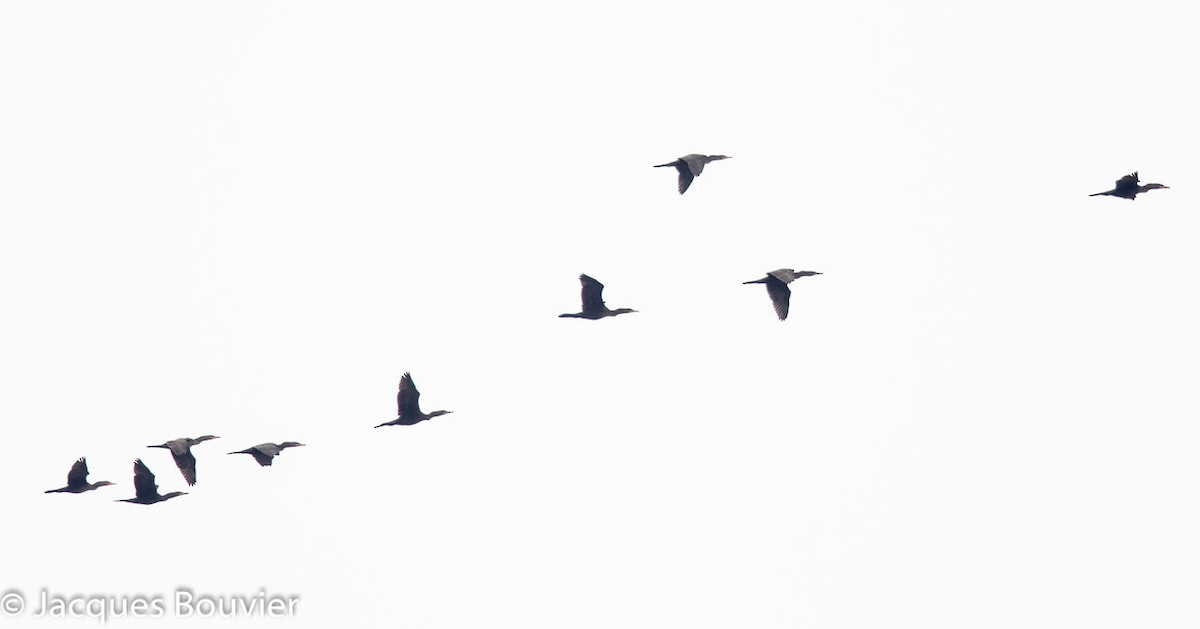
point(686, 176)
point(781, 296)
point(591, 294)
point(407, 399)
point(77, 477)
point(1128, 182)
point(187, 464)
point(143, 480)
point(263, 455)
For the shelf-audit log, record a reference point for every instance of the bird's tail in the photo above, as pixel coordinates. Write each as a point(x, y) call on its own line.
point(762, 281)
point(1097, 194)
point(665, 165)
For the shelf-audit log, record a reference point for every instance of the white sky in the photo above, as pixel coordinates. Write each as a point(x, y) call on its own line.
point(249, 219)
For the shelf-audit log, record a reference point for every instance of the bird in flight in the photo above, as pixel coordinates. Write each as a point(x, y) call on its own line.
point(77, 480)
point(264, 452)
point(690, 166)
point(409, 409)
point(181, 451)
point(145, 487)
point(1127, 188)
point(593, 302)
point(777, 288)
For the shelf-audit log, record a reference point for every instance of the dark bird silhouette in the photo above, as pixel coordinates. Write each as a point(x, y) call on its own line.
point(781, 295)
point(264, 452)
point(181, 451)
point(147, 490)
point(690, 167)
point(1127, 188)
point(409, 409)
point(77, 480)
point(593, 302)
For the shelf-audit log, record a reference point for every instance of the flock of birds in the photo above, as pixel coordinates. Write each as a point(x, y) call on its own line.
point(145, 488)
point(408, 397)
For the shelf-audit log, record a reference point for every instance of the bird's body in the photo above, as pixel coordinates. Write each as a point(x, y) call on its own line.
point(181, 451)
point(781, 295)
point(145, 487)
point(690, 166)
point(264, 452)
point(409, 410)
point(592, 296)
point(77, 480)
point(1127, 188)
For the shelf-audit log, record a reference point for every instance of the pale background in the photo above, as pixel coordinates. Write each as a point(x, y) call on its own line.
point(249, 219)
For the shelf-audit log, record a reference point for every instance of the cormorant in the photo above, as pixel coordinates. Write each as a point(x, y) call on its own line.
point(690, 166)
point(147, 490)
point(409, 409)
point(264, 452)
point(181, 451)
point(777, 282)
point(593, 302)
point(1127, 188)
point(77, 480)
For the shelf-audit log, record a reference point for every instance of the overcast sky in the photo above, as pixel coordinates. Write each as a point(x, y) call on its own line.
point(249, 219)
